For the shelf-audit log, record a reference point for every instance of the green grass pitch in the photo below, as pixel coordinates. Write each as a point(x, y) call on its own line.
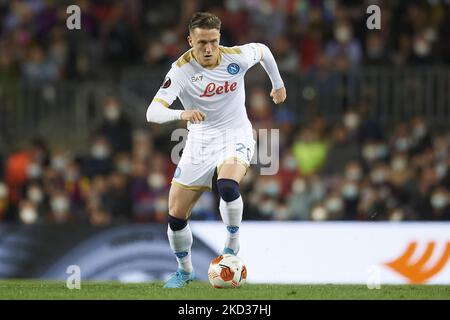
point(43, 290)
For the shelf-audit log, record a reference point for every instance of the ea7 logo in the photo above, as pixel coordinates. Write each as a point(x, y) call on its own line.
point(415, 271)
point(197, 77)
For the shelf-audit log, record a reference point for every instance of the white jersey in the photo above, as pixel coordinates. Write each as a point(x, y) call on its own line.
point(218, 92)
point(226, 133)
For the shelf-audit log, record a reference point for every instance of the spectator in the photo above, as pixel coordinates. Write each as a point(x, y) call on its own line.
point(375, 50)
point(116, 199)
point(340, 152)
point(420, 135)
point(60, 210)
point(23, 165)
point(38, 68)
point(116, 128)
point(344, 50)
point(205, 208)
point(436, 206)
point(309, 151)
point(99, 162)
point(4, 203)
point(350, 196)
point(362, 169)
point(306, 192)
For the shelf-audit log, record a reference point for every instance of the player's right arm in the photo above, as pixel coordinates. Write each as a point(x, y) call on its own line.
point(159, 109)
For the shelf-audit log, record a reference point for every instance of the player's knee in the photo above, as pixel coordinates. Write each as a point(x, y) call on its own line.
point(176, 211)
point(176, 224)
point(228, 189)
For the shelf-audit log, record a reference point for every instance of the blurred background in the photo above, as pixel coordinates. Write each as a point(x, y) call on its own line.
point(364, 133)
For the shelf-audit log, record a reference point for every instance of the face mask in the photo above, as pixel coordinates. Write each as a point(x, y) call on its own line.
point(60, 216)
point(351, 121)
point(290, 163)
point(378, 176)
point(71, 175)
point(342, 34)
point(402, 144)
point(232, 5)
point(266, 208)
point(272, 188)
point(99, 152)
point(161, 205)
point(431, 34)
point(419, 131)
point(350, 191)
point(258, 102)
point(319, 214)
point(112, 113)
point(441, 170)
point(156, 51)
point(282, 213)
point(59, 204)
point(169, 37)
point(35, 195)
point(28, 215)
point(34, 170)
point(353, 174)
point(3, 191)
point(397, 215)
point(422, 48)
point(58, 163)
point(156, 180)
point(398, 164)
point(334, 204)
point(58, 52)
point(369, 152)
point(124, 167)
point(439, 200)
point(299, 186)
point(382, 151)
point(440, 153)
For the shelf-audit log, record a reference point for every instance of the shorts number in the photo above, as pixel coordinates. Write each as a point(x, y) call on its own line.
point(240, 148)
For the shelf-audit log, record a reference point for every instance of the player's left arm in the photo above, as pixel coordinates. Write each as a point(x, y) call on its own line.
point(269, 64)
point(259, 52)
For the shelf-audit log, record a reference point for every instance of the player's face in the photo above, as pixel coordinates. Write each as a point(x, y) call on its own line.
point(205, 45)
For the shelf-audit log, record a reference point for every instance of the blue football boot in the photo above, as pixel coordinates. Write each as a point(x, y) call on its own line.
point(227, 250)
point(179, 279)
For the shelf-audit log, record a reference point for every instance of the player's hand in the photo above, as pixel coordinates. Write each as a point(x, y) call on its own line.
point(194, 116)
point(278, 95)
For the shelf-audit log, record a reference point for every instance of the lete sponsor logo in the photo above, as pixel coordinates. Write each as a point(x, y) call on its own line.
point(415, 271)
point(213, 89)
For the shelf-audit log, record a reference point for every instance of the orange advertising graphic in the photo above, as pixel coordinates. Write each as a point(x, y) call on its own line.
point(415, 271)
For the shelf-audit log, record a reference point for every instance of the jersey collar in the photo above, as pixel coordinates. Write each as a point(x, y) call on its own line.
point(219, 60)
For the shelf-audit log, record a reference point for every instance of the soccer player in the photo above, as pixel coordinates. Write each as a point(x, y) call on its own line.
point(209, 81)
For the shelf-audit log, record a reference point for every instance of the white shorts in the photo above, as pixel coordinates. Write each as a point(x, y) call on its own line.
point(202, 156)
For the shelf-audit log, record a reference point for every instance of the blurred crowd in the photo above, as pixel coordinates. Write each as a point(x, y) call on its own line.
point(36, 46)
point(353, 169)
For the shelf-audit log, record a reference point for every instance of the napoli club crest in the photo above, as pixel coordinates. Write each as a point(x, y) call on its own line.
point(233, 68)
